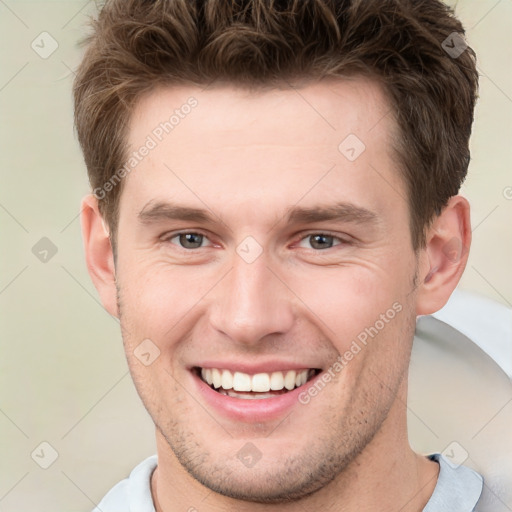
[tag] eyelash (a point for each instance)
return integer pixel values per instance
(171, 236)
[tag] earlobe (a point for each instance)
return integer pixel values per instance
(447, 248)
(98, 253)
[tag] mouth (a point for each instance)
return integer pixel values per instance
(255, 386)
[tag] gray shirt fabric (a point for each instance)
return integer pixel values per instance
(458, 489)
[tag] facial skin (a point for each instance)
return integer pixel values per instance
(247, 159)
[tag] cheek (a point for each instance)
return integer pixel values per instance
(355, 302)
(155, 297)
(351, 301)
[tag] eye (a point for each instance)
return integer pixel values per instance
(321, 241)
(188, 240)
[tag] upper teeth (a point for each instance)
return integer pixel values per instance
(260, 382)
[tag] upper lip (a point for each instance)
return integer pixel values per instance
(254, 368)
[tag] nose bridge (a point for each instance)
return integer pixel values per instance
(251, 303)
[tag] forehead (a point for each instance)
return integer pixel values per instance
(234, 144)
(330, 105)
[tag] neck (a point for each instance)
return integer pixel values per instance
(386, 476)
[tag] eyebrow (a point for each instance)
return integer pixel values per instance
(154, 212)
(345, 212)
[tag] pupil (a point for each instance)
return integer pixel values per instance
(321, 241)
(191, 240)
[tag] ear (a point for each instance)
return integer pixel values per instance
(445, 256)
(98, 253)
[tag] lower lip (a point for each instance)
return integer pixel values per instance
(251, 410)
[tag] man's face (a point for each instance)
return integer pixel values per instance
(267, 281)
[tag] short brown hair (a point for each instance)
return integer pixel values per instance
(137, 45)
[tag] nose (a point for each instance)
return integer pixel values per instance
(251, 303)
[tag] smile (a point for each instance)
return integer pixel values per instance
(257, 386)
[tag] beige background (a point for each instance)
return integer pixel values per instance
(63, 376)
